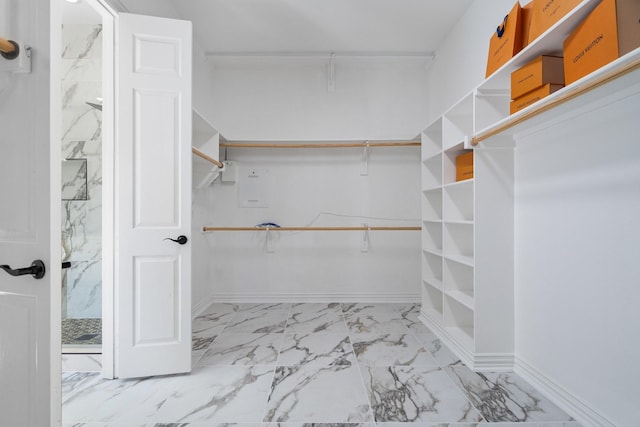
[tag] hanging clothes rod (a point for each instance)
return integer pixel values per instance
(200, 154)
(9, 49)
(323, 145)
(207, 229)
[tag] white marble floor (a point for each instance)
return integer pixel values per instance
(267, 365)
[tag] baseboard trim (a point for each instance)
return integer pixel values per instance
(579, 409)
(320, 297)
(475, 361)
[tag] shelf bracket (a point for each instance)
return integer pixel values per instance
(331, 83)
(364, 163)
(268, 241)
(365, 240)
(18, 62)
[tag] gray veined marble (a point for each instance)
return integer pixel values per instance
(318, 424)
(390, 350)
(307, 318)
(258, 321)
(317, 349)
(503, 397)
(243, 349)
(442, 355)
(416, 394)
(317, 394)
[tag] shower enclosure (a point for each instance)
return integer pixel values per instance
(81, 74)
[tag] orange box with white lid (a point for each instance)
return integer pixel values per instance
(541, 71)
(533, 97)
(610, 31)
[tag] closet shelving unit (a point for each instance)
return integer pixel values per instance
(205, 147)
(468, 226)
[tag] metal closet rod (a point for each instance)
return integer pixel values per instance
(200, 154)
(322, 144)
(207, 229)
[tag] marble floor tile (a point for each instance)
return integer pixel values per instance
(432, 343)
(317, 394)
(317, 349)
(318, 424)
(373, 318)
(243, 348)
(504, 397)
(258, 321)
(76, 382)
(202, 328)
(306, 318)
(263, 307)
(390, 350)
(416, 394)
(218, 394)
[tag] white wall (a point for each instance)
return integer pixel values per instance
(287, 99)
(578, 200)
(577, 270)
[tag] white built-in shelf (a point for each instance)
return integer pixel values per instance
(461, 259)
(612, 82)
(437, 252)
(548, 43)
(432, 221)
(433, 282)
(463, 297)
(473, 219)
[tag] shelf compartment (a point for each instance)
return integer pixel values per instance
(458, 321)
(458, 282)
(490, 107)
(457, 123)
(433, 282)
(449, 166)
(431, 266)
(432, 237)
(432, 139)
(458, 201)
(432, 205)
(432, 172)
(458, 241)
(432, 303)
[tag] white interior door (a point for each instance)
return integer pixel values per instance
(153, 197)
(29, 209)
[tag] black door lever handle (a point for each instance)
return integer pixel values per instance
(181, 240)
(37, 270)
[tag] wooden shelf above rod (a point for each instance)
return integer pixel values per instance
(321, 144)
(207, 229)
(200, 154)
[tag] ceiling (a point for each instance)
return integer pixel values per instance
(321, 26)
(263, 27)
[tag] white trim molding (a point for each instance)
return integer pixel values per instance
(320, 297)
(582, 411)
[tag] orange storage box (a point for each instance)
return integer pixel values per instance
(506, 40)
(526, 11)
(464, 166)
(545, 13)
(533, 97)
(542, 70)
(610, 31)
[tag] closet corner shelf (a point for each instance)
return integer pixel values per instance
(459, 222)
(204, 156)
(432, 251)
(464, 298)
(432, 314)
(433, 282)
(605, 85)
(460, 259)
(459, 183)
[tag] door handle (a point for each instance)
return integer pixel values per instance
(37, 270)
(181, 240)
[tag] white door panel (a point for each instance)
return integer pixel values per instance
(29, 210)
(153, 285)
